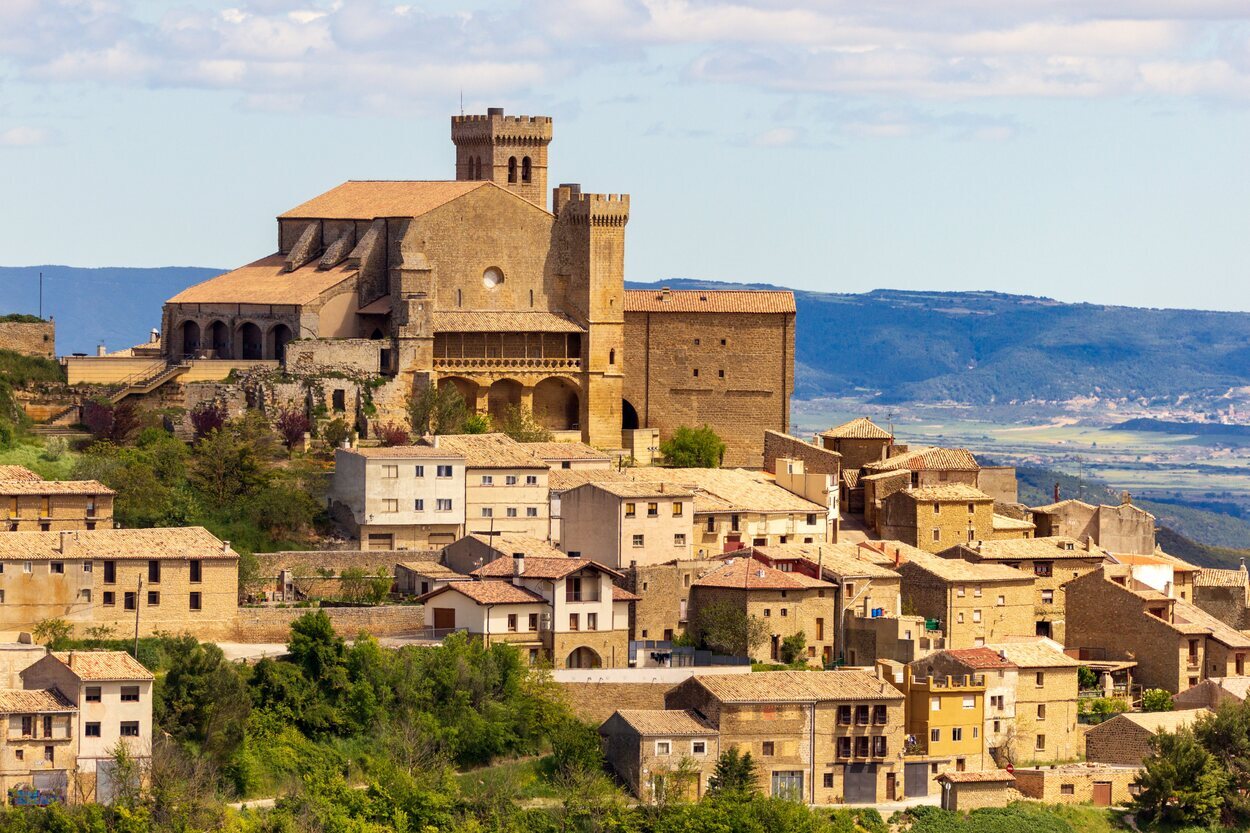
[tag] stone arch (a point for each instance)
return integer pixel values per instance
(512, 169)
(466, 388)
(190, 332)
(219, 339)
(526, 168)
(279, 338)
(629, 416)
(583, 657)
(503, 394)
(252, 341)
(557, 404)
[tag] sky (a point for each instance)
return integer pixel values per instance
(1086, 151)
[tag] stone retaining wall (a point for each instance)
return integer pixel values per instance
(273, 624)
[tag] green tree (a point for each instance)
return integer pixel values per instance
(518, 423)
(1086, 678)
(1181, 782)
(202, 699)
(734, 776)
(793, 648)
(437, 410)
(336, 432)
(693, 448)
(1156, 700)
(726, 628)
(1226, 735)
(226, 467)
(53, 633)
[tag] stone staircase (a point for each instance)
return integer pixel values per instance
(149, 379)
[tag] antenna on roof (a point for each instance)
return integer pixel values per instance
(462, 101)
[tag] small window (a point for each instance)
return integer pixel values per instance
(511, 512)
(1002, 600)
(972, 508)
(512, 622)
(418, 504)
(960, 592)
(130, 601)
(512, 169)
(1048, 597)
(678, 508)
(592, 621)
(488, 512)
(27, 567)
(976, 616)
(1040, 743)
(531, 480)
(1041, 711)
(92, 730)
(196, 601)
(130, 694)
(419, 471)
(84, 594)
(57, 567)
(110, 598)
(638, 540)
(49, 754)
(612, 356)
(526, 169)
(110, 572)
(488, 480)
(663, 747)
(630, 510)
(197, 570)
(1067, 789)
(1041, 678)
(510, 480)
(575, 622)
(937, 509)
(92, 694)
(937, 535)
(390, 472)
(338, 400)
(154, 598)
(679, 540)
(129, 729)
(390, 505)
(443, 471)
(767, 748)
(970, 702)
(533, 622)
(935, 735)
(696, 373)
(531, 511)
(957, 733)
(720, 373)
(935, 704)
(653, 510)
(154, 572)
(443, 504)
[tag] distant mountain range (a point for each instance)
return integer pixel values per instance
(976, 347)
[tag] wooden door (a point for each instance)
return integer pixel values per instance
(889, 787)
(444, 618)
(1102, 793)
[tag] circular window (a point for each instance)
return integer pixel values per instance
(492, 277)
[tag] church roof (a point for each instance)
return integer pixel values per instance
(502, 321)
(369, 199)
(709, 300)
(265, 282)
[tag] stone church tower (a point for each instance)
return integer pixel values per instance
(510, 151)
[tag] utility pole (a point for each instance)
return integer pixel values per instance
(138, 593)
(41, 294)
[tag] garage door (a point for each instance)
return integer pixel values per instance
(1102, 793)
(915, 779)
(444, 618)
(859, 784)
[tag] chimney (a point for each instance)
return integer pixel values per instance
(154, 336)
(225, 546)
(65, 538)
(1243, 565)
(100, 351)
(494, 111)
(1126, 499)
(518, 563)
(1056, 492)
(661, 488)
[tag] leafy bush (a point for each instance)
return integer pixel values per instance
(518, 423)
(112, 423)
(1156, 700)
(693, 448)
(54, 449)
(391, 434)
(336, 432)
(292, 425)
(207, 417)
(793, 648)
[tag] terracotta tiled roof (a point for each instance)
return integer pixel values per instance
(1006, 523)
(434, 570)
(541, 568)
(54, 487)
(177, 543)
(17, 473)
(637, 489)
(752, 574)
(492, 321)
(850, 477)
(979, 658)
(981, 776)
(368, 199)
(1184, 613)
(837, 559)
(1209, 577)
(265, 282)
(561, 480)
(568, 451)
(620, 594)
(930, 458)
(404, 452)
(709, 300)
(34, 701)
(958, 570)
(489, 593)
(797, 686)
(1034, 655)
(1157, 558)
(730, 490)
(490, 451)
(960, 492)
(1063, 504)
(1160, 721)
(860, 428)
(665, 722)
(513, 543)
(103, 665)
(1050, 548)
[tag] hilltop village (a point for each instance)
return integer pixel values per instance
(523, 453)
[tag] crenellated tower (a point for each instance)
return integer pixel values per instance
(510, 151)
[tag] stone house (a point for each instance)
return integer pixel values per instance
(112, 695)
(32, 504)
(39, 745)
(935, 518)
(1225, 594)
(1102, 785)
(819, 737)
(860, 442)
(874, 489)
(1000, 677)
(561, 481)
(1176, 645)
(571, 456)
(567, 610)
(789, 603)
(1052, 561)
(1046, 693)
(1213, 691)
(401, 497)
(945, 719)
(619, 523)
(931, 466)
(663, 606)
(1125, 739)
(416, 578)
(965, 791)
(506, 484)
(1159, 571)
(972, 603)
(477, 550)
(169, 580)
(661, 754)
(1124, 528)
(735, 508)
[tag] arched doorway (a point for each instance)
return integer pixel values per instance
(466, 389)
(279, 338)
(583, 657)
(219, 337)
(190, 338)
(629, 416)
(253, 341)
(504, 394)
(556, 404)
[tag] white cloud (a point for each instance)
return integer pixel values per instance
(345, 54)
(776, 137)
(24, 136)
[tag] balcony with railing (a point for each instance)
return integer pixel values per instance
(469, 352)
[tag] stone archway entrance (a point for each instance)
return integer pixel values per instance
(504, 394)
(190, 338)
(253, 341)
(279, 338)
(557, 405)
(583, 657)
(464, 387)
(219, 338)
(629, 416)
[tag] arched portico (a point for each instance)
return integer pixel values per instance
(629, 416)
(190, 332)
(219, 339)
(277, 340)
(251, 341)
(503, 394)
(557, 404)
(583, 657)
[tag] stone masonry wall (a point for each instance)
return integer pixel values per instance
(273, 624)
(1117, 741)
(1228, 604)
(595, 702)
(35, 339)
(816, 460)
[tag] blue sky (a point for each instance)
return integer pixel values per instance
(1087, 151)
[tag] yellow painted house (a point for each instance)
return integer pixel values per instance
(944, 718)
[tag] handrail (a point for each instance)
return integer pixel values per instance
(151, 370)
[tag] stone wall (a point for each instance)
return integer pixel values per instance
(999, 482)
(665, 592)
(816, 460)
(353, 356)
(271, 563)
(34, 339)
(595, 702)
(1228, 604)
(973, 795)
(273, 624)
(1074, 783)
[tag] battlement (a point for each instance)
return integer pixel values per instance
(496, 128)
(595, 209)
